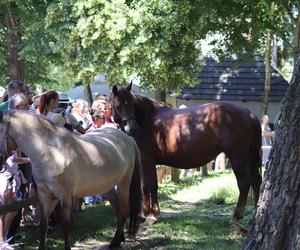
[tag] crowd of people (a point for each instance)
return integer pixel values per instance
(16, 181)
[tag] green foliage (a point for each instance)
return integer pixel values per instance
(96, 222)
(154, 41)
(224, 195)
(30, 38)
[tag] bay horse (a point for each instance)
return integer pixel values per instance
(66, 165)
(190, 138)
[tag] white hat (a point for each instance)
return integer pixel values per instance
(63, 98)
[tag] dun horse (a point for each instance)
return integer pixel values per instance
(65, 166)
(189, 138)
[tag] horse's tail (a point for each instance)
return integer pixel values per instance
(255, 160)
(135, 194)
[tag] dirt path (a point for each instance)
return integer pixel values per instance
(187, 221)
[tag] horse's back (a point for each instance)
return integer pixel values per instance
(111, 153)
(194, 136)
(219, 116)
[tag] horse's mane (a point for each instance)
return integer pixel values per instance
(146, 107)
(36, 118)
(148, 101)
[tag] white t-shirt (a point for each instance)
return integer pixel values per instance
(84, 122)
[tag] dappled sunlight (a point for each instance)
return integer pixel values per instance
(200, 192)
(91, 244)
(181, 224)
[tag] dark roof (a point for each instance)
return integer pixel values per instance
(231, 81)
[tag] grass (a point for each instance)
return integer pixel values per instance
(194, 215)
(94, 222)
(198, 216)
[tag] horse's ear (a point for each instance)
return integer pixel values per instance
(1, 116)
(129, 86)
(115, 90)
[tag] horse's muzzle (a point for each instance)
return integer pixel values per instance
(131, 128)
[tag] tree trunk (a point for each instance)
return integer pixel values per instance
(276, 223)
(160, 95)
(297, 34)
(87, 93)
(175, 173)
(204, 172)
(274, 60)
(268, 72)
(15, 65)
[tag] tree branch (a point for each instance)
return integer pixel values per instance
(12, 21)
(285, 7)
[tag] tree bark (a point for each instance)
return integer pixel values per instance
(87, 93)
(276, 223)
(268, 72)
(268, 67)
(175, 173)
(160, 95)
(204, 172)
(297, 34)
(15, 65)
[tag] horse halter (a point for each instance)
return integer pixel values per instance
(5, 146)
(119, 116)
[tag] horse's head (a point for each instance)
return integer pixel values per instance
(123, 109)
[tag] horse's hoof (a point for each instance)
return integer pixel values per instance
(142, 218)
(155, 210)
(115, 243)
(150, 220)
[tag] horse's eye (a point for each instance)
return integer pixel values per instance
(119, 110)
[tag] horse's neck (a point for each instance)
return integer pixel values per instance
(29, 132)
(147, 108)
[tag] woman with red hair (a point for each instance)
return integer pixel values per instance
(48, 103)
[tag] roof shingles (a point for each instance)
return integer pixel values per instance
(225, 81)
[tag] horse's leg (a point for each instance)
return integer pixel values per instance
(119, 234)
(150, 186)
(112, 197)
(153, 187)
(66, 207)
(47, 206)
(244, 181)
(146, 202)
(123, 211)
(146, 164)
(155, 210)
